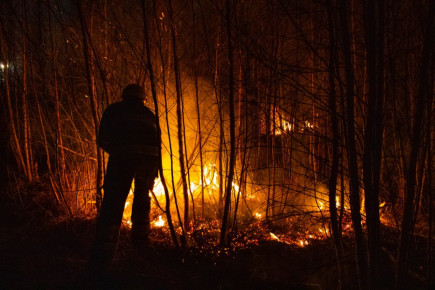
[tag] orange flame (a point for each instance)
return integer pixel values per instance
(160, 222)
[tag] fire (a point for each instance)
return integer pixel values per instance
(303, 243)
(281, 125)
(324, 231)
(158, 189)
(320, 205)
(210, 176)
(308, 125)
(158, 192)
(160, 222)
(274, 237)
(210, 183)
(211, 180)
(284, 126)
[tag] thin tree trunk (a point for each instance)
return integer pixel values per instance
(188, 166)
(165, 80)
(335, 227)
(430, 138)
(156, 109)
(179, 117)
(26, 122)
(60, 154)
(352, 152)
(430, 276)
(218, 96)
(374, 26)
(232, 127)
(198, 112)
(93, 103)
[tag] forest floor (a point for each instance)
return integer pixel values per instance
(41, 251)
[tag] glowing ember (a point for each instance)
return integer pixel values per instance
(308, 125)
(274, 237)
(257, 215)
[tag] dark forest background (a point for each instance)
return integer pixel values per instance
(293, 114)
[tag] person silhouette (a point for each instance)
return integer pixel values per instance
(129, 133)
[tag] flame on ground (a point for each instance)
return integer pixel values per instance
(210, 184)
(274, 237)
(160, 222)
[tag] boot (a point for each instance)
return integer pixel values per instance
(103, 248)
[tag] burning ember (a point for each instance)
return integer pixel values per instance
(274, 237)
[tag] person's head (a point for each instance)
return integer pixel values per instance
(133, 92)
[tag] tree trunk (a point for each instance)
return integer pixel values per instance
(179, 117)
(156, 109)
(374, 29)
(165, 85)
(60, 154)
(430, 274)
(229, 183)
(198, 112)
(93, 102)
(24, 106)
(352, 152)
(336, 229)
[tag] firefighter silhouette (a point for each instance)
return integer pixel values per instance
(129, 133)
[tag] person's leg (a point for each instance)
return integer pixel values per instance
(117, 183)
(144, 182)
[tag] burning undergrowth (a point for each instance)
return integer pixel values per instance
(300, 220)
(297, 232)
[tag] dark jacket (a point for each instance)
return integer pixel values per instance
(129, 127)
